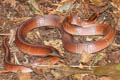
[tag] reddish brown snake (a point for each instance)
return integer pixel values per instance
(87, 28)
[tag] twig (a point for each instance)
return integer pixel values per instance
(4, 34)
(12, 36)
(3, 71)
(116, 45)
(16, 59)
(57, 66)
(44, 75)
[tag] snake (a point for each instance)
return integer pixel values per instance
(68, 26)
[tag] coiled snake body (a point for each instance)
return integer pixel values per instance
(68, 27)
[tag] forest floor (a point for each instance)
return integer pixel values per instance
(14, 12)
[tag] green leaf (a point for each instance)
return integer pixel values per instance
(118, 67)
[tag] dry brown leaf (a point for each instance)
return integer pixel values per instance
(85, 57)
(3, 71)
(11, 2)
(99, 57)
(90, 38)
(78, 76)
(98, 2)
(67, 71)
(63, 1)
(116, 4)
(24, 76)
(106, 78)
(65, 7)
(59, 73)
(55, 43)
(35, 6)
